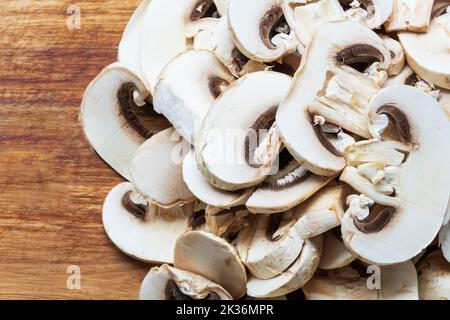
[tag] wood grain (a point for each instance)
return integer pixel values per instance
(52, 184)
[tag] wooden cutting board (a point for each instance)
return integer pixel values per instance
(52, 185)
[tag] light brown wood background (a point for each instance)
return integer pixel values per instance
(52, 185)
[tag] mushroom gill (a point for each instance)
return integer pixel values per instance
(204, 9)
(273, 23)
(359, 56)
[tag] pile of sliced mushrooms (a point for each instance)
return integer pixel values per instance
(275, 146)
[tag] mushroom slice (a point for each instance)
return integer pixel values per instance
(169, 29)
(260, 30)
(398, 282)
(371, 13)
(293, 278)
(156, 170)
(167, 283)
(130, 44)
(115, 112)
(444, 235)
(397, 54)
(287, 188)
(140, 230)
(212, 257)
(410, 15)
(396, 217)
(239, 141)
(335, 255)
(186, 106)
(434, 277)
(432, 66)
(325, 87)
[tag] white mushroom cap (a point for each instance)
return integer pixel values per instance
(293, 278)
(151, 237)
(409, 219)
(212, 257)
(223, 150)
(427, 54)
(412, 15)
(105, 125)
(167, 283)
(185, 106)
(434, 277)
(335, 255)
(156, 170)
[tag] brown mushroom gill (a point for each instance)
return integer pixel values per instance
(217, 85)
(257, 133)
(400, 120)
(273, 21)
(204, 9)
(173, 292)
(143, 119)
(379, 217)
(239, 59)
(136, 209)
(198, 219)
(440, 10)
(272, 226)
(359, 56)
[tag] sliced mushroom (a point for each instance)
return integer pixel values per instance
(260, 30)
(167, 283)
(410, 15)
(371, 13)
(403, 206)
(212, 257)
(227, 222)
(326, 86)
(169, 29)
(398, 282)
(444, 235)
(186, 106)
(239, 141)
(287, 188)
(117, 116)
(431, 65)
(156, 170)
(434, 277)
(140, 230)
(335, 255)
(397, 54)
(293, 278)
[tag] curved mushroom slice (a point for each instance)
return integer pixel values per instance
(207, 193)
(239, 141)
(432, 66)
(398, 282)
(130, 45)
(410, 15)
(293, 278)
(335, 255)
(212, 257)
(289, 187)
(260, 30)
(371, 13)
(156, 170)
(397, 54)
(186, 106)
(434, 277)
(405, 216)
(140, 230)
(169, 29)
(111, 116)
(327, 87)
(167, 283)
(227, 222)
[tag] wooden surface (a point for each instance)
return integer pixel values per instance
(52, 184)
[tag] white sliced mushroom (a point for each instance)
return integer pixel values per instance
(260, 30)
(239, 141)
(325, 86)
(140, 230)
(371, 13)
(293, 278)
(431, 65)
(434, 277)
(169, 29)
(185, 106)
(444, 235)
(213, 258)
(227, 222)
(410, 15)
(116, 117)
(403, 206)
(335, 255)
(398, 282)
(167, 283)
(397, 54)
(156, 170)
